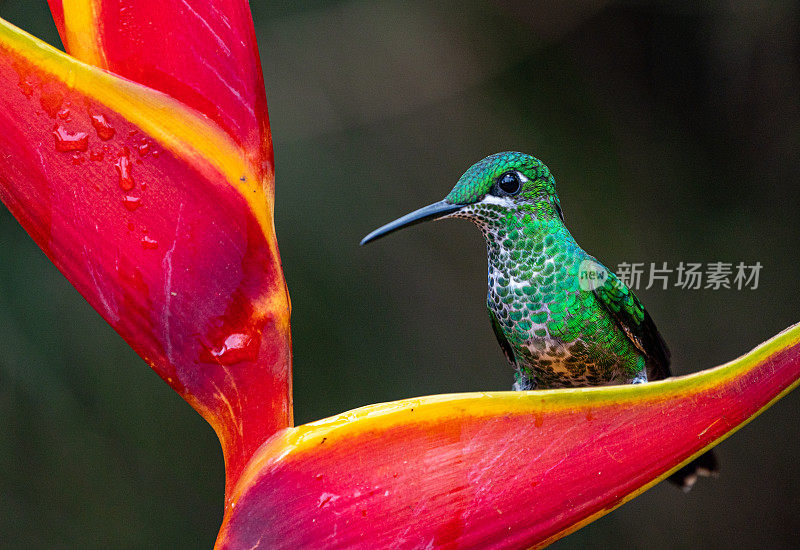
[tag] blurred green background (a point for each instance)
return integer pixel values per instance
(673, 130)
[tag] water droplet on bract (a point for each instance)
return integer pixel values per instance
(148, 243)
(26, 86)
(156, 152)
(66, 141)
(144, 149)
(51, 101)
(123, 166)
(236, 348)
(97, 154)
(325, 499)
(77, 158)
(63, 114)
(104, 130)
(131, 203)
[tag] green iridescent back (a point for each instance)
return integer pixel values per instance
(555, 331)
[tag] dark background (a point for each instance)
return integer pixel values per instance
(673, 131)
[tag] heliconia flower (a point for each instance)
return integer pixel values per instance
(492, 470)
(142, 165)
(155, 197)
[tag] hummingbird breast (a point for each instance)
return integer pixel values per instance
(560, 335)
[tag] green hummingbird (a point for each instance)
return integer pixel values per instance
(560, 316)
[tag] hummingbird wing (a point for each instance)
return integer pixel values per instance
(501, 339)
(631, 316)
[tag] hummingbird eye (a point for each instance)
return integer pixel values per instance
(510, 183)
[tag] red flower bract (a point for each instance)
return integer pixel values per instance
(163, 222)
(492, 470)
(203, 54)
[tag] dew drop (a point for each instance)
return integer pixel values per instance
(77, 158)
(123, 166)
(51, 102)
(144, 149)
(325, 499)
(104, 130)
(26, 86)
(148, 243)
(132, 203)
(237, 347)
(97, 154)
(318, 477)
(63, 114)
(66, 141)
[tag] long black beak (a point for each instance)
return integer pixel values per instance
(430, 212)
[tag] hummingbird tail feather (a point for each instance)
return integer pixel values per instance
(705, 465)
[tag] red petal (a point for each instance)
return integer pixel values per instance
(202, 53)
(57, 9)
(162, 223)
(494, 470)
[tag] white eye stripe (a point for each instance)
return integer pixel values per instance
(499, 201)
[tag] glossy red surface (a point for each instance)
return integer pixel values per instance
(497, 470)
(201, 53)
(168, 251)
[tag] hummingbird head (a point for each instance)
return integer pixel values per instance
(500, 184)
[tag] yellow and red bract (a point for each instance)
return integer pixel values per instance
(493, 470)
(142, 165)
(203, 54)
(163, 222)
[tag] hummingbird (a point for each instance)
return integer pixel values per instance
(561, 317)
